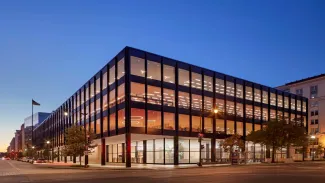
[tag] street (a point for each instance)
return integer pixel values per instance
(20, 172)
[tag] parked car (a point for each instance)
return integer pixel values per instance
(29, 160)
(24, 159)
(39, 160)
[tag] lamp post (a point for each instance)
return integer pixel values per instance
(48, 150)
(313, 152)
(86, 139)
(200, 136)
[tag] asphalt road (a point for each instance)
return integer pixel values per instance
(13, 171)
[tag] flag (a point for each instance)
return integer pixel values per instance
(35, 103)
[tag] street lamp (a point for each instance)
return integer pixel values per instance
(65, 113)
(313, 152)
(200, 135)
(48, 150)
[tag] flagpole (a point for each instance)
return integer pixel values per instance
(32, 123)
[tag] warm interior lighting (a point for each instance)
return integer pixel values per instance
(215, 111)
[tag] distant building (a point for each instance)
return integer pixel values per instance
(12, 145)
(22, 136)
(18, 141)
(29, 125)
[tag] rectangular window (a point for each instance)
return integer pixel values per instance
(313, 91)
(154, 119)
(257, 113)
(196, 81)
(169, 97)
(154, 70)
(104, 80)
(286, 102)
(230, 127)
(98, 106)
(121, 94)
(137, 92)
(183, 77)
(87, 94)
(249, 93)
(137, 66)
(220, 126)
(257, 127)
(184, 122)
(240, 128)
(92, 90)
(230, 90)
(97, 85)
(257, 95)
(105, 124)
(299, 92)
(105, 106)
(249, 111)
(304, 107)
(112, 122)
(92, 108)
(196, 102)
(239, 91)
(196, 123)
(239, 110)
(280, 115)
(208, 83)
(316, 121)
(154, 95)
(220, 86)
(183, 100)
(120, 68)
(111, 75)
(98, 126)
(137, 117)
(249, 128)
(293, 104)
(169, 121)
(121, 118)
(112, 98)
(280, 101)
(208, 125)
(265, 114)
(208, 103)
(273, 99)
(265, 97)
(272, 114)
(169, 74)
(298, 105)
(230, 108)
(286, 117)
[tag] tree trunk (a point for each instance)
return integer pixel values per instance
(288, 151)
(273, 154)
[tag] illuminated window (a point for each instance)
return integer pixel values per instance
(183, 100)
(87, 94)
(272, 114)
(280, 115)
(257, 127)
(196, 123)
(230, 88)
(196, 102)
(249, 128)
(230, 127)
(293, 104)
(208, 103)
(208, 83)
(121, 118)
(104, 80)
(184, 122)
(220, 106)
(257, 113)
(112, 122)
(208, 125)
(112, 98)
(298, 105)
(154, 119)
(292, 118)
(92, 90)
(111, 75)
(249, 111)
(220, 86)
(239, 91)
(154, 70)
(121, 94)
(230, 108)
(137, 66)
(137, 117)
(82, 97)
(220, 126)
(280, 101)
(120, 68)
(92, 108)
(286, 102)
(137, 92)
(265, 97)
(98, 126)
(304, 108)
(97, 85)
(286, 117)
(169, 97)
(196, 81)
(154, 95)
(273, 99)
(183, 77)
(169, 121)
(257, 95)
(98, 106)
(105, 124)
(239, 110)
(249, 93)
(169, 74)
(240, 128)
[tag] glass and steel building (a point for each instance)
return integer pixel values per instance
(147, 108)
(29, 125)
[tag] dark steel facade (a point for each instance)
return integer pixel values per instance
(95, 113)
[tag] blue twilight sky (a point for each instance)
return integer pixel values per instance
(48, 49)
